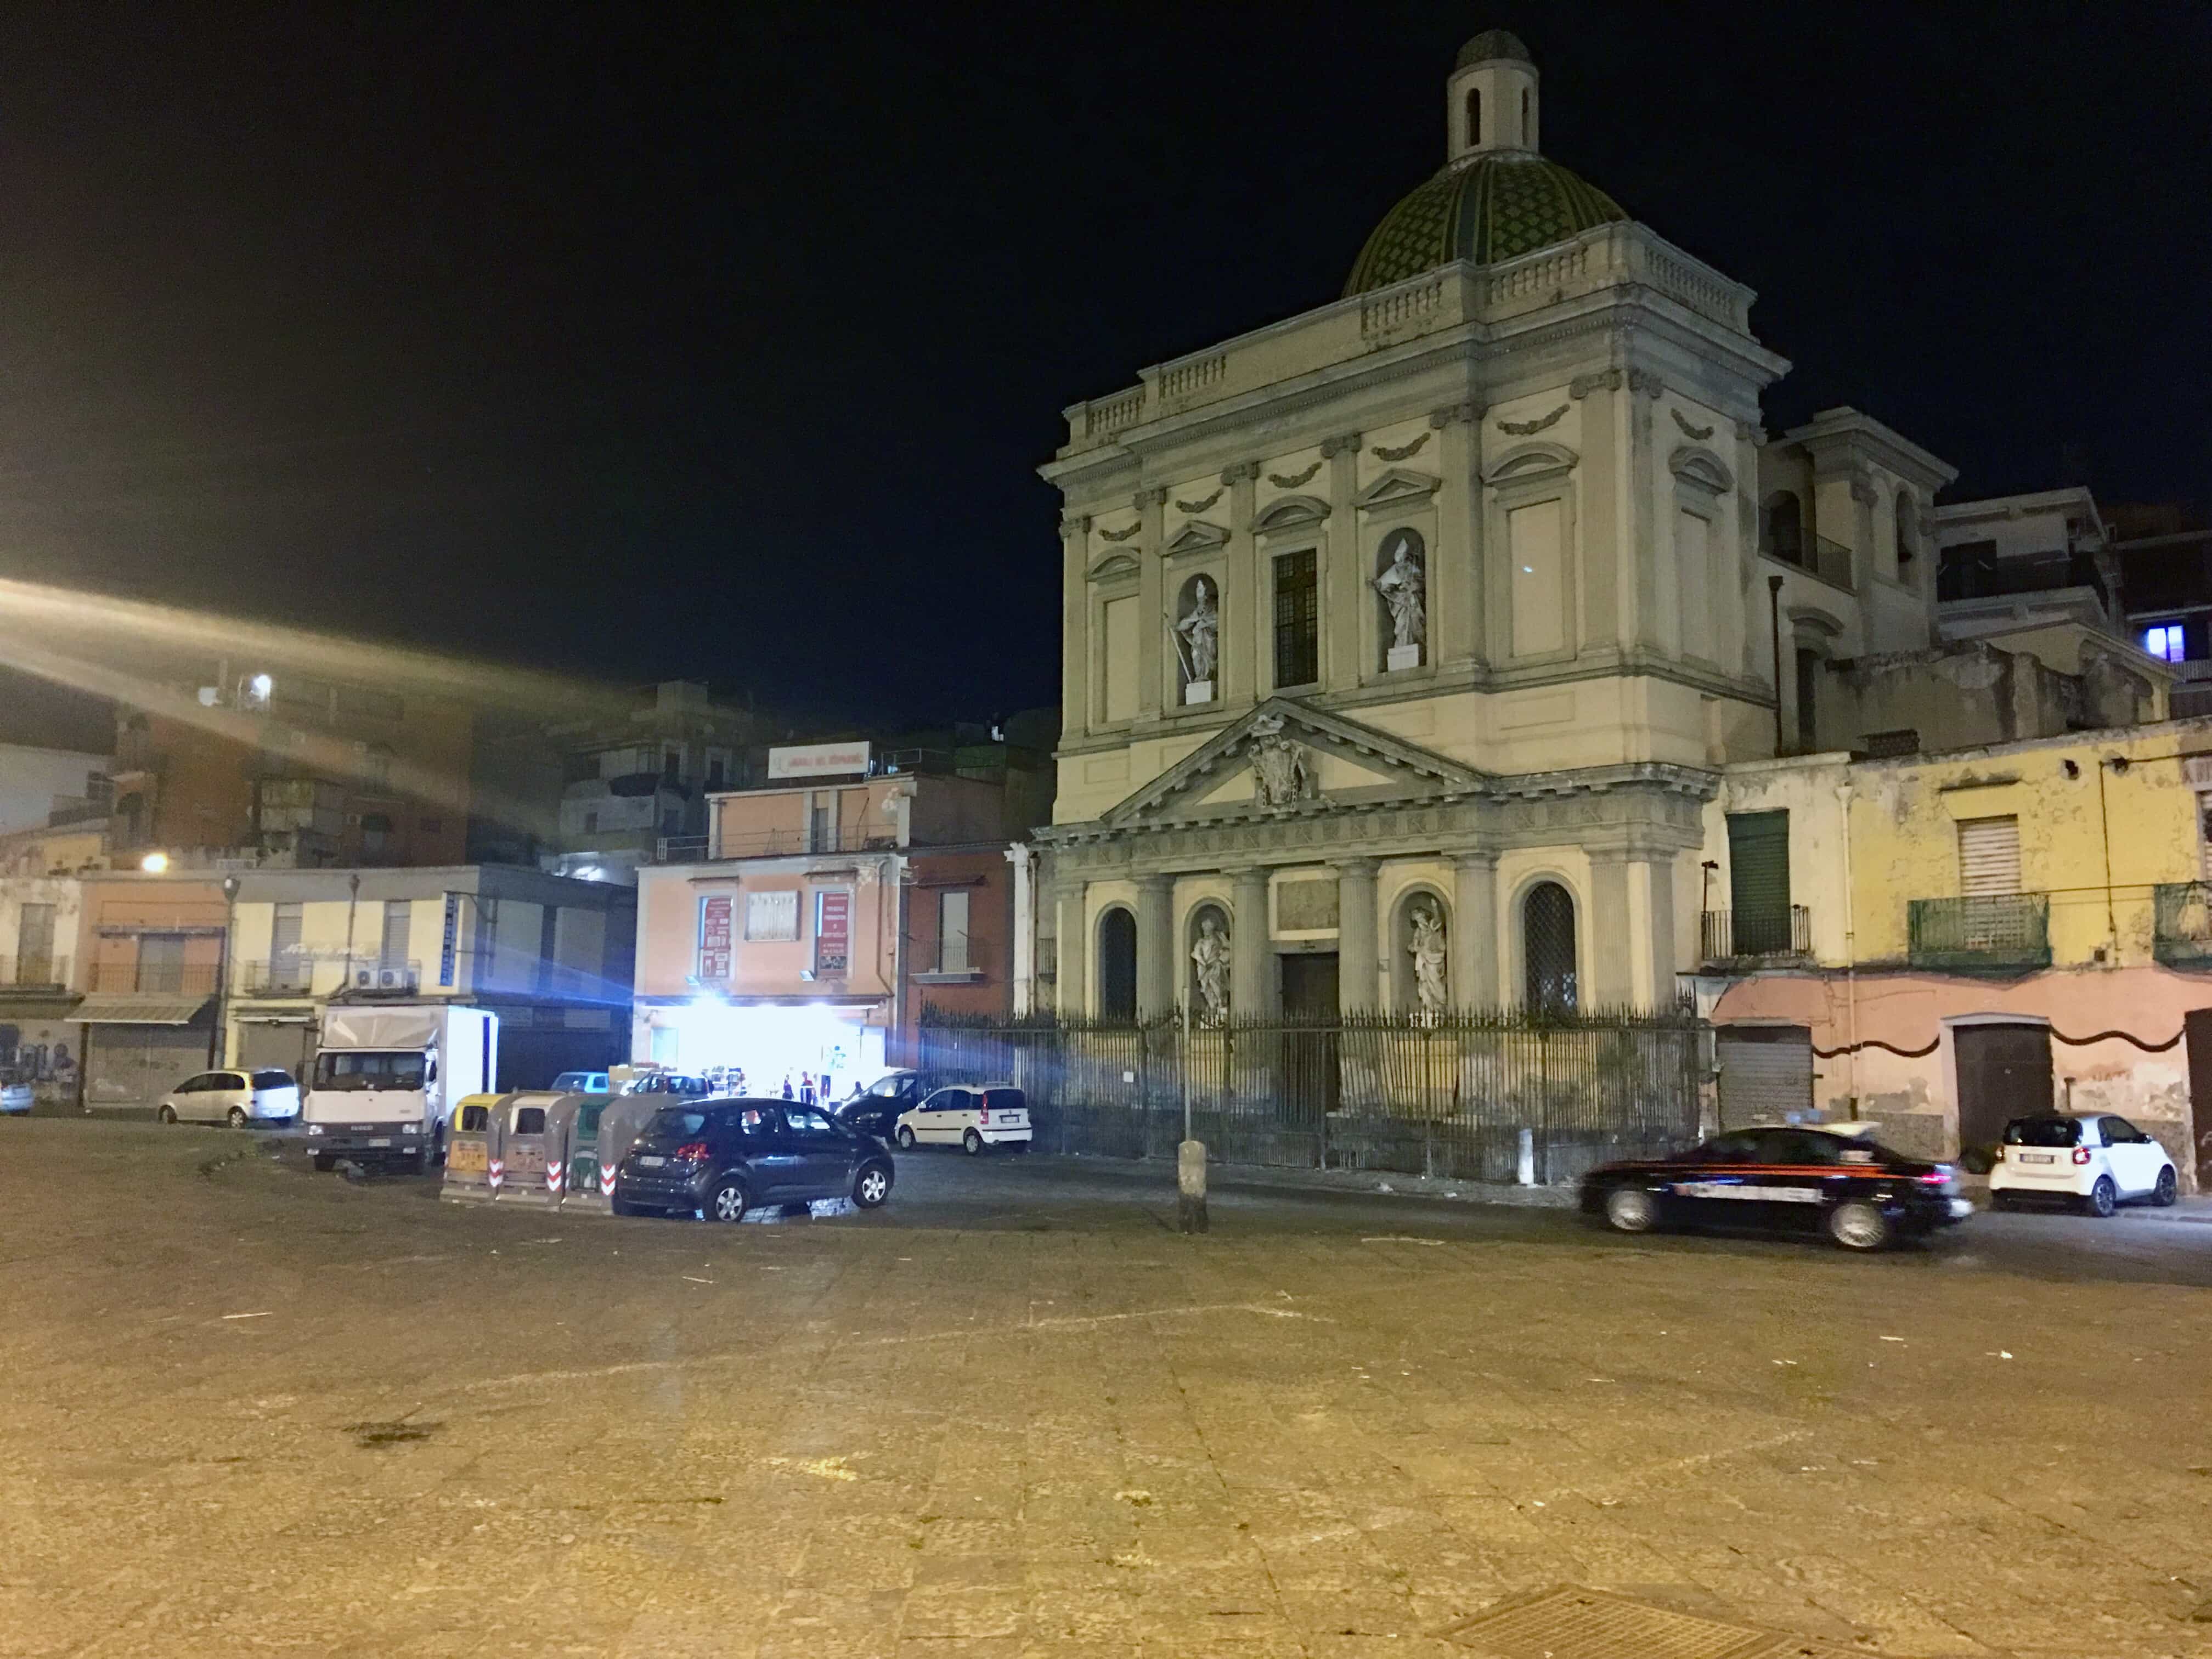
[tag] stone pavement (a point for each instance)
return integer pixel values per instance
(250, 1409)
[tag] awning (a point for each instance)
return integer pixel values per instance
(39, 1008)
(125, 1010)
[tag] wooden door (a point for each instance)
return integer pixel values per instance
(2004, 1072)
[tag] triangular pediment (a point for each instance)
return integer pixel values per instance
(1337, 760)
(1398, 487)
(1197, 536)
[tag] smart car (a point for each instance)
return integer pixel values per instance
(970, 1116)
(723, 1158)
(2094, 1161)
(1794, 1178)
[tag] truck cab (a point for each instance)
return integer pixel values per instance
(386, 1077)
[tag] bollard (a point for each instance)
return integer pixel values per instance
(1190, 1186)
(1526, 1174)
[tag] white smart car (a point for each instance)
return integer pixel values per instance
(237, 1098)
(970, 1116)
(2094, 1160)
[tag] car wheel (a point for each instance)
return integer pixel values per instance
(622, 1207)
(872, 1185)
(1858, 1226)
(166, 1114)
(2168, 1187)
(905, 1138)
(2001, 1200)
(972, 1144)
(326, 1162)
(729, 1200)
(2104, 1197)
(1630, 1210)
(237, 1119)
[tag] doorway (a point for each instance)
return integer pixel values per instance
(2004, 1072)
(2197, 1028)
(1117, 965)
(1311, 1084)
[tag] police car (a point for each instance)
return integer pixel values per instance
(970, 1116)
(1789, 1178)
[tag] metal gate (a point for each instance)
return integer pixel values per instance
(135, 1065)
(1766, 1073)
(286, 1046)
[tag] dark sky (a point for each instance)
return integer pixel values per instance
(727, 348)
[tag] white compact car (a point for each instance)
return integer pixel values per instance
(234, 1097)
(15, 1093)
(970, 1116)
(2094, 1160)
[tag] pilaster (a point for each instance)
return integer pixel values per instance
(1604, 951)
(1359, 988)
(1252, 992)
(1152, 606)
(1074, 624)
(1155, 952)
(1454, 573)
(1241, 636)
(1473, 937)
(1654, 599)
(1071, 918)
(1343, 584)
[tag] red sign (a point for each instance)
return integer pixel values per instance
(714, 937)
(833, 931)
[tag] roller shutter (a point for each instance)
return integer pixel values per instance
(1766, 1073)
(1759, 883)
(1988, 856)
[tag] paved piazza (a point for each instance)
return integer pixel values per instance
(252, 1410)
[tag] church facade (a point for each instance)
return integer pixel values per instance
(1404, 640)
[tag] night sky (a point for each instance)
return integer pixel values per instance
(726, 349)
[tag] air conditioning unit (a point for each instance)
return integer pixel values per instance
(364, 979)
(395, 979)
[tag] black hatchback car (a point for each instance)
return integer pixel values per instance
(1795, 1179)
(722, 1158)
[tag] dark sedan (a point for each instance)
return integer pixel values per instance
(723, 1158)
(876, 1110)
(1801, 1179)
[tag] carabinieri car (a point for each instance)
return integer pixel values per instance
(1790, 1179)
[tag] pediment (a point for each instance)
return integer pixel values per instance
(1694, 464)
(1398, 487)
(1291, 513)
(1112, 566)
(1344, 760)
(1529, 461)
(1197, 536)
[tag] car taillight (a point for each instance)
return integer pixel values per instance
(2080, 1154)
(1934, 1178)
(983, 1116)
(692, 1152)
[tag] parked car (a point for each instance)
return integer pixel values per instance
(581, 1083)
(970, 1116)
(1797, 1178)
(721, 1159)
(15, 1093)
(2094, 1161)
(668, 1083)
(877, 1108)
(234, 1097)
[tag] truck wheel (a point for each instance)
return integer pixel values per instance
(326, 1162)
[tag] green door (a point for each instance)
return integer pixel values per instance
(1758, 884)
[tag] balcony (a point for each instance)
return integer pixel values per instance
(34, 973)
(1987, 933)
(281, 978)
(1734, 939)
(1830, 561)
(155, 978)
(2182, 936)
(773, 844)
(370, 977)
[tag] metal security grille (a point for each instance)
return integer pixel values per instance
(1298, 620)
(1766, 1073)
(1547, 936)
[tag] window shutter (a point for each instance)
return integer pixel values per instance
(1759, 881)
(284, 932)
(1988, 856)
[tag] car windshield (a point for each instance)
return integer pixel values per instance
(2043, 1132)
(272, 1079)
(672, 1122)
(357, 1070)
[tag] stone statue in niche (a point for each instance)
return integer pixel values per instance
(1427, 950)
(1198, 637)
(1210, 957)
(1404, 588)
(1281, 774)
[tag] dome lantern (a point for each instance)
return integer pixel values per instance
(1490, 101)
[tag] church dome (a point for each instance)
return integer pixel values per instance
(1493, 43)
(1497, 205)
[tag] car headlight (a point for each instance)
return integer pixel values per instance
(314, 1128)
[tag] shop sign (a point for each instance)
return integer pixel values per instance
(819, 760)
(714, 937)
(832, 931)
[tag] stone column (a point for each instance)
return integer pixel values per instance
(1342, 579)
(1072, 978)
(1241, 636)
(1152, 607)
(1454, 573)
(1473, 939)
(1605, 943)
(1074, 625)
(1658, 868)
(1252, 991)
(1157, 956)
(1357, 989)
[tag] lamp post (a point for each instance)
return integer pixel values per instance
(218, 1044)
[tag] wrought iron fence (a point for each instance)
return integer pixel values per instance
(1457, 1095)
(1986, 933)
(1738, 935)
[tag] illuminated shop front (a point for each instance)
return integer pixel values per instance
(768, 1038)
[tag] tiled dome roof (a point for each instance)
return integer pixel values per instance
(1498, 206)
(1493, 43)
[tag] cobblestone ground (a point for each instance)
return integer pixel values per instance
(252, 1410)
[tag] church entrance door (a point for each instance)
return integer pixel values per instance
(1309, 1044)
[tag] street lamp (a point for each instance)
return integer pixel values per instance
(153, 863)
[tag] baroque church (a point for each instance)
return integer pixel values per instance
(1403, 639)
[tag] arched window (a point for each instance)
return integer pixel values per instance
(1908, 533)
(1528, 138)
(1117, 964)
(1782, 528)
(1474, 117)
(1547, 946)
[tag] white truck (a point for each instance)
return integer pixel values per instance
(386, 1077)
